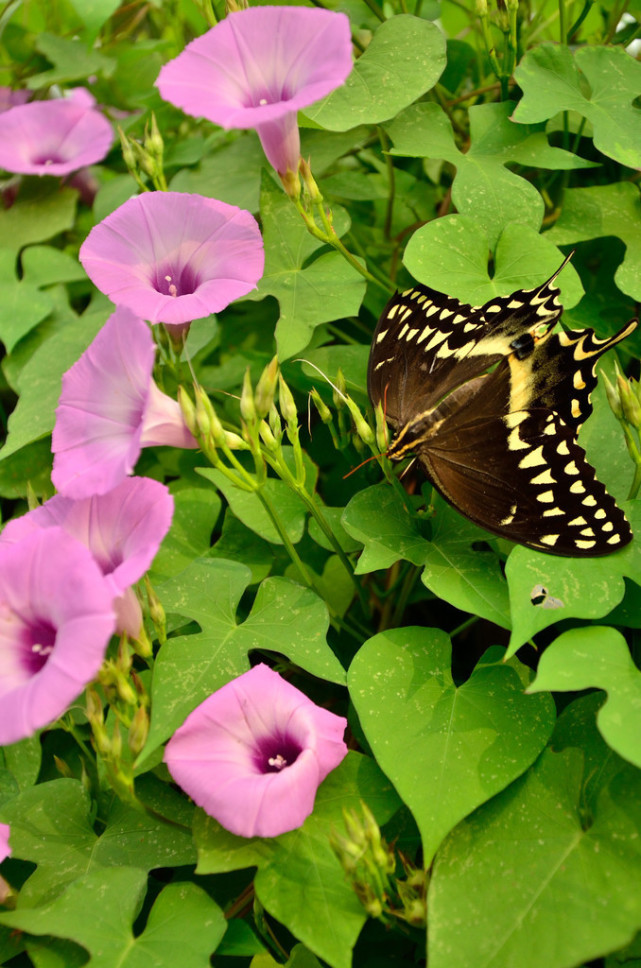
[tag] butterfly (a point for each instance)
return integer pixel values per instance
(501, 447)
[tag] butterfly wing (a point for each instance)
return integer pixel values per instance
(560, 373)
(522, 475)
(427, 343)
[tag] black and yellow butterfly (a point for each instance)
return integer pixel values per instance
(501, 447)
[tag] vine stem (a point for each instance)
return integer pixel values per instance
(307, 576)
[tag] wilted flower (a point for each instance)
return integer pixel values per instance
(52, 137)
(122, 529)
(110, 408)
(254, 753)
(5, 849)
(56, 619)
(172, 257)
(257, 68)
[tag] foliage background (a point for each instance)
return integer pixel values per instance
(470, 150)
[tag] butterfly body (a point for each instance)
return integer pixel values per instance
(501, 446)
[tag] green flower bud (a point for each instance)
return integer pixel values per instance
(323, 410)
(363, 429)
(286, 402)
(247, 405)
(138, 731)
(614, 399)
(340, 390)
(266, 388)
(188, 410)
(629, 402)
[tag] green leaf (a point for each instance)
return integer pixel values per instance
(599, 82)
(98, 910)
(42, 265)
(484, 189)
(72, 60)
(300, 881)
(51, 826)
(42, 210)
(603, 210)
(249, 508)
(467, 743)
(536, 877)
(40, 381)
(586, 588)
(286, 618)
(451, 254)
(30, 465)
(468, 579)
(196, 510)
(598, 658)
(231, 172)
(309, 293)
(238, 543)
(405, 59)
(379, 519)
(21, 309)
(23, 760)
(94, 13)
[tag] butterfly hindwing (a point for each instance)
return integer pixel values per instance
(524, 477)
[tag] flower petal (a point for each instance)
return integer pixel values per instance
(226, 754)
(57, 618)
(173, 257)
(258, 64)
(52, 137)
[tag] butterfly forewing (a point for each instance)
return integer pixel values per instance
(427, 343)
(501, 447)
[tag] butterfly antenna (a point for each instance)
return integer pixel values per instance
(324, 376)
(362, 464)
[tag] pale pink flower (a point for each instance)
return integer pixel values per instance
(110, 408)
(56, 619)
(255, 752)
(53, 137)
(122, 529)
(5, 849)
(257, 68)
(172, 257)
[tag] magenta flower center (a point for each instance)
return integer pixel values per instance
(171, 280)
(274, 753)
(38, 641)
(49, 158)
(262, 96)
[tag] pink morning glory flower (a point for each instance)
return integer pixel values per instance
(52, 137)
(110, 408)
(254, 753)
(122, 529)
(56, 619)
(257, 68)
(172, 257)
(5, 849)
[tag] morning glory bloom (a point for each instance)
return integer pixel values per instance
(110, 408)
(172, 257)
(5, 849)
(122, 529)
(56, 619)
(257, 68)
(53, 137)
(254, 753)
